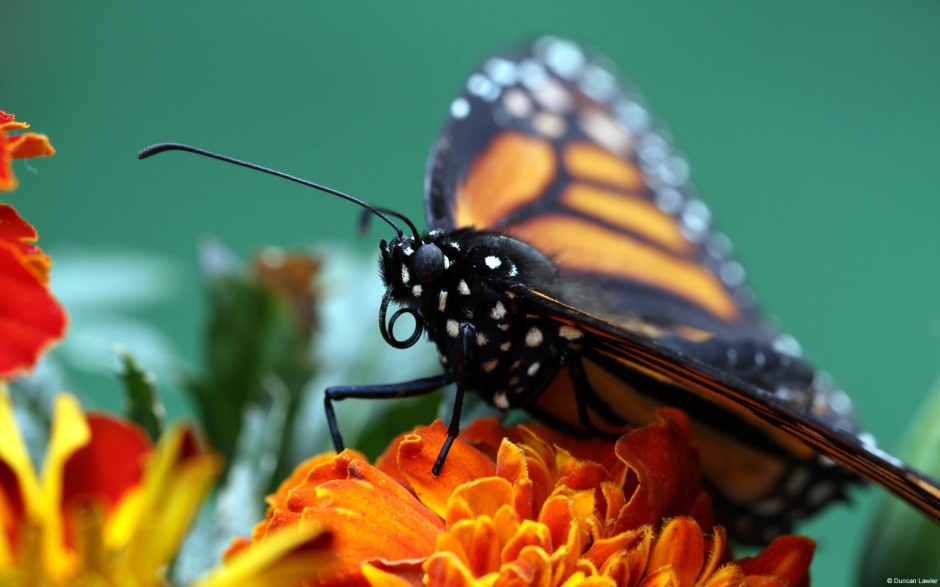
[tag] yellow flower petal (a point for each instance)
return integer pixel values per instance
(285, 559)
(178, 476)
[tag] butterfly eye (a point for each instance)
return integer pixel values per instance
(428, 264)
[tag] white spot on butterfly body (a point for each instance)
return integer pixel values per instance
(533, 337)
(453, 329)
(416, 291)
(463, 288)
(498, 312)
(442, 300)
(405, 276)
(408, 251)
(460, 108)
(492, 262)
(500, 400)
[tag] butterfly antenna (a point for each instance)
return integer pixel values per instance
(364, 221)
(381, 213)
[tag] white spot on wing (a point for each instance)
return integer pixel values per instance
(517, 103)
(492, 262)
(533, 369)
(563, 57)
(481, 339)
(498, 312)
(490, 365)
(442, 300)
(460, 108)
(501, 71)
(569, 333)
(505, 346)
(453, 329)
(482, 86)
(462, 288)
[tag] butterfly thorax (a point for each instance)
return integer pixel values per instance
(460, 284)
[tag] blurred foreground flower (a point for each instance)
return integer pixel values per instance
(18, 146)
(522, 506)
(30, 318)
(110, 509)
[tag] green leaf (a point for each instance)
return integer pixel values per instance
(903, 544)
(253, 344)
(144, 406)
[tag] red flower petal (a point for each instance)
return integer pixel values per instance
(109, 465)
(28, 145)
(667, 471)
(30, 318)
(787, 557)
(7, 180)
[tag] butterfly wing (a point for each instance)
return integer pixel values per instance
(546, 145)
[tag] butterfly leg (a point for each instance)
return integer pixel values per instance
(414, 388)
(460, 358)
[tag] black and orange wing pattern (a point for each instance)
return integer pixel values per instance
(547, 145)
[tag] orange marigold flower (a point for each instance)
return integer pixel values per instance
(31, 319)
(523, 506)
(17, 146)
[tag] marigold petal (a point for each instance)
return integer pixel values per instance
(287, 559)
(531, 567)
(445, 569)
(481, 497)
(682, 546)
(726, 576)
(30, 318)
(30, 144)
(667, 472)
(417, 454)
(529, 534)
(484, 434)
(475, 542)
(8, 181)
(8, 122)
(109, 465)
(177, 477)
(717, 554)
(20, 494)
(603, 552)
(371, 516)
(664, 577)
(381, 578)
(787, 557)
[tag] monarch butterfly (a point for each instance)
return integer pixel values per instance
(571, 271)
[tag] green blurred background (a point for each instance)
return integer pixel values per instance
(813, 131)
